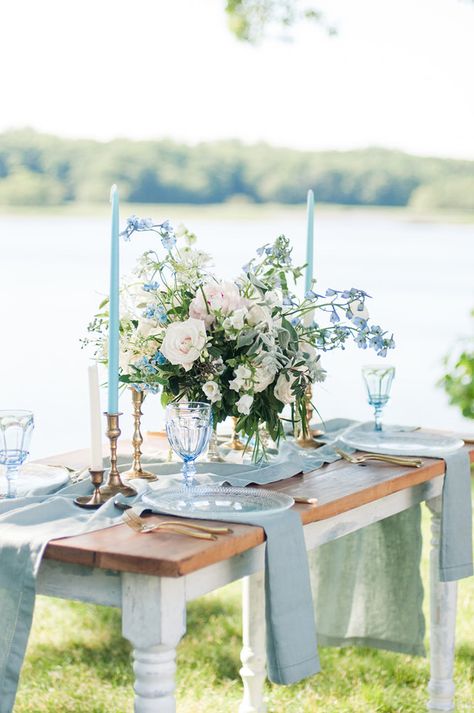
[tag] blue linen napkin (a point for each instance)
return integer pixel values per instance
(26, 526)
(455, 552)
(292, 652)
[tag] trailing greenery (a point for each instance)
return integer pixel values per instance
(38, 169)
(77, 661)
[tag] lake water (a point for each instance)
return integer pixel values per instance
(54, 271)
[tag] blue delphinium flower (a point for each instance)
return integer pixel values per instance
(165, 230)
(151, 286)
(168, 237)
(157, 312)
(159, 358)
(168, 241)
(334, 317)
(361, 341)
(160, 314)
(260, 251)
(149, 312)
(144, 364)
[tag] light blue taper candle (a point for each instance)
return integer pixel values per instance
(114, 305)
(309, 240)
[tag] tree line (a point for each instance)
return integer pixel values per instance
(39, 169)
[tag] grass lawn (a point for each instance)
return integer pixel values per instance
(77, 662)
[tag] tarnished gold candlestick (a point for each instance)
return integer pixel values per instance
(114, 483)
(94, 501)
(136, 471)
(305, 437)
(235, 444)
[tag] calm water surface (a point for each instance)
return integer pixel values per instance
(54, 271)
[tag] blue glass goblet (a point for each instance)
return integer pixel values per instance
(16, 428)
(188, 427)
(378, 380)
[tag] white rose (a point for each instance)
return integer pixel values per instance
(184, 342)
(283, 390)
(215, 297)
(359, 309)
(244, 404)
(212, 391)
(259, 314)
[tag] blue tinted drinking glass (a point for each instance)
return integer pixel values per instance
(16, 427)
(188, 427)
(378, 380)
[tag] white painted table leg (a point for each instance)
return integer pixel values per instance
(443, 600)
(253, 655)
(153, 620)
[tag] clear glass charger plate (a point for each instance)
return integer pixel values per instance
(394, 441)
(217, 503)
(36, 476)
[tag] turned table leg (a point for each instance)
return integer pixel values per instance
(253, 651)
(443, 599)
(153, 620)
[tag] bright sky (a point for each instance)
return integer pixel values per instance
(399, 74)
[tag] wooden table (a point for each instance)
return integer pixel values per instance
(152, 578)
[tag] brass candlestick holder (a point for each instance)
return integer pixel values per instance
(114, 483)
(235, 444)
(94, 501)
(305, 437)
(136, 471)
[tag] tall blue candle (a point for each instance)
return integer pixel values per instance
(114, 305)
(309, 240)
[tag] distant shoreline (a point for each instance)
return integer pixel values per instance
(235, 210)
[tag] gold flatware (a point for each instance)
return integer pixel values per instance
(64, 467)
(131, 518)
(305, 501)
(395, 460)
(220, 530)
(166, 526)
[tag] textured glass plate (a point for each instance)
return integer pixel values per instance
(32, 476)
(219, 503)
(395, 442)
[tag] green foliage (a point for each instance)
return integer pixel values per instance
(36, 169)
(458, 382)
(252, 20)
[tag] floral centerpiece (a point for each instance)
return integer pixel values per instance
(250, 347)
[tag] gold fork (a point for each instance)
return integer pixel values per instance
(205, 532)
(395, 460)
